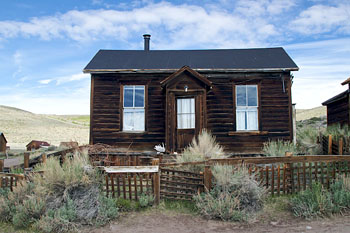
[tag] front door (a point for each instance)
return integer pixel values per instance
(185, 121)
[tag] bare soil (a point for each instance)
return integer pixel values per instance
(172, 222)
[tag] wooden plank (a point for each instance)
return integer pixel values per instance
(207, 178)
(107, 188)
(329, 144)
(135, 186)
(284, 178)
(278, 179)
(129, 185)
(272, 180)
(1, 165)
(304, 176)
(26, 160)
(340, 146)
(130, 169)
(112, 183)
(124, 186)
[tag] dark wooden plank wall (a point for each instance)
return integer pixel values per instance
(338, 112)
(274, 116)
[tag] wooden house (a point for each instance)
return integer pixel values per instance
(34, 145)
(3, 142)
(338, 107)
(140, 98)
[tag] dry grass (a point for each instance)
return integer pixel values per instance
(20, 127)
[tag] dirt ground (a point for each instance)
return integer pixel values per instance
(156, 221)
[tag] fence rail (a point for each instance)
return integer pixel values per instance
(335, 145)
(10, 181)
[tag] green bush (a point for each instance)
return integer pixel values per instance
(146, 200)
(107, 210)
(202, 148)
(126, 205)
(279, 148)
(29, 212)
(307, 141)
(320, 202)
(236, 195)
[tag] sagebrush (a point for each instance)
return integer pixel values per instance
(236, 195)
(279, 148)
(201, 148)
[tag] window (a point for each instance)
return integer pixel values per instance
(134, 108)
(246, 107)
(186, 113)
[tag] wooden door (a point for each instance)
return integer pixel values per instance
(185, 121)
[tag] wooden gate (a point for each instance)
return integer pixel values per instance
(180, 185)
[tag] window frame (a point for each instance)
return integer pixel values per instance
(235, 107)
(190, 113)
(122, 107)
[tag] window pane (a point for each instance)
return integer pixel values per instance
(139, 97)
(252, 96)
(241, 95)
(128, 119)
(134, 120)
(128, 96)
(241, 120)
(139, 120)
(252, 119)
(186, 113)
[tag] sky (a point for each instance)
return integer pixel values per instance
(45, 45)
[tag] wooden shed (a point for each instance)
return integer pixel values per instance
(34, 145)
(338, 107)
(140, 98)
(3, 143)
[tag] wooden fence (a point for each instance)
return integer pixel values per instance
(283, 175)
(122, 159)
(10, 180)
(180, 185)
(335, 146)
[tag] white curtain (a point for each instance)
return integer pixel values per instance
(186, 113)
(134, 120)
(240, 118)
(252, 119)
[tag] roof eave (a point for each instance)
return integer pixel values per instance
(91, 71)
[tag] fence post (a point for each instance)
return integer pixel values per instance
(1, 165)
(329, 144)
(43, 158)
(156, 182)
(26, 160)
(340, 146)
(207, 178)
(290, 177)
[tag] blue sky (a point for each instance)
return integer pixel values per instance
(44, 45)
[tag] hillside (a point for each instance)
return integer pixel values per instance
(304, 114)
(20, 127)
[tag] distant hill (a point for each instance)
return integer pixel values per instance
(20, 127)
(304, 114)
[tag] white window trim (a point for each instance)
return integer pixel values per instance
(247, 108)
(133, 101)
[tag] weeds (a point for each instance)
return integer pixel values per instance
(307, 141)
(203, 148)
(279, 148)
(235, 196)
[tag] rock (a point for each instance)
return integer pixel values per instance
(274, 223)
(308, 227)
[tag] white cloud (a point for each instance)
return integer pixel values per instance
(45, 81)
(70, 78)
(323, 19)
(189, 25)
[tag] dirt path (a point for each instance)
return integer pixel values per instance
(168, 222)
(13, 162)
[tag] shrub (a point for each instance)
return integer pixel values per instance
(279, 148)
(107, 210)
(29, 212)
(201, 149)
(307, 140)
(146, 200)
(235, 196)
(320, 202)
(315, 202)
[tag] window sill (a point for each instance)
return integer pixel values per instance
(132, 132)
(247, 133)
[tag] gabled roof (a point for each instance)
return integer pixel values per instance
(195, 74)
(3, 135)
(346, 81)
(258, 59)
(336, 98)
(40, 143)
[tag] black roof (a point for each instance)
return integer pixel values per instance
(226, 59)
(336, 98)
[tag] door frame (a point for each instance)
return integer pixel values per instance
(171, 114)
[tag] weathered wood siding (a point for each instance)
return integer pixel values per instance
(338, 112)
(275, 119)
(2, 144)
